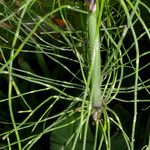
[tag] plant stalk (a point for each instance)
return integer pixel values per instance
(94, 58)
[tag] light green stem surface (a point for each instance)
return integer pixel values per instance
(94, 59)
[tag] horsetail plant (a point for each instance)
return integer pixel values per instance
(92, 90)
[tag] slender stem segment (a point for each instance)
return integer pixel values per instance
(94, 54)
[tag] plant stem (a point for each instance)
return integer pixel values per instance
(94, 58)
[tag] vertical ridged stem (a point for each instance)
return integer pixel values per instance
(94, 58)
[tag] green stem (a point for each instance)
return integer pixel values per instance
(94, 58)
(10, 104)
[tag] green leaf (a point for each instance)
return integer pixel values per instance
(60, 138)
